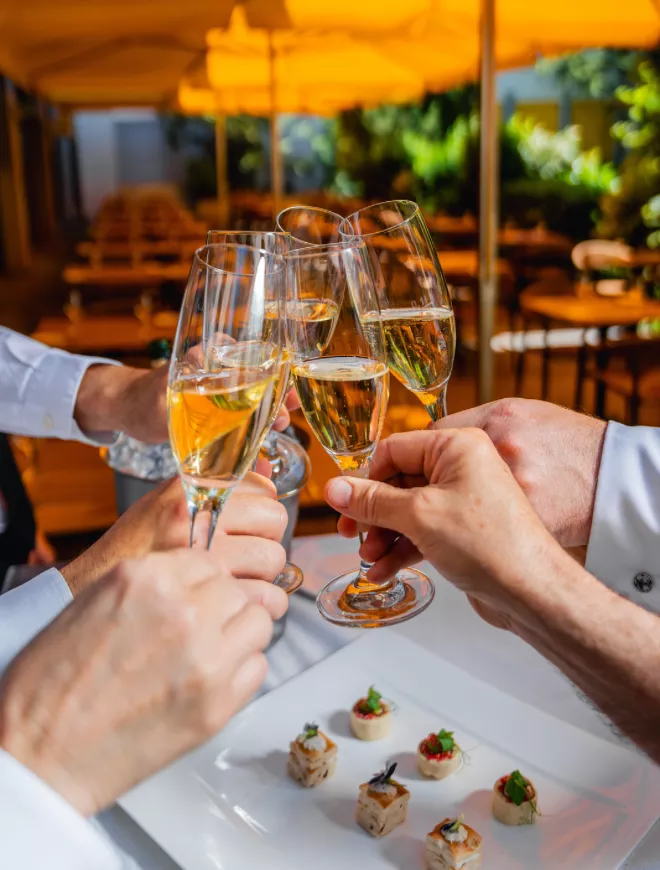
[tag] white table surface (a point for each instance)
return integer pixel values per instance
(450, 628)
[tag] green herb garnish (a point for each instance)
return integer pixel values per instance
(310, 729)
(443, 741)
(516, 788)
(452, 826)
(372, 702)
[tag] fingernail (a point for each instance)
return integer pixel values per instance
(340, 492)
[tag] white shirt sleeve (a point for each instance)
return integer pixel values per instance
(38, 389)
(624, 545)
(39, 829)
(26, 610)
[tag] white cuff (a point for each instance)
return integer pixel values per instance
(39, 829)
(624, 545)
(39, 395)
(26, 610)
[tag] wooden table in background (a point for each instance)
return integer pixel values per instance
(593, 311)
(138, 275)
(106, 334)
(535, 239)
(137, 251)
(464, 266)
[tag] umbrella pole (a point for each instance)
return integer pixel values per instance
(276, 179)
(488, 204)
(222, 184)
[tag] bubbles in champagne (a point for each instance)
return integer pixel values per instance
(344, 399)
(420, 347)
(217, 422)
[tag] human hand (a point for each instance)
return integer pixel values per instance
(246, 538)
(143, 666)
(554, 455)
(124, 399)
(451, 499)
(283, 419)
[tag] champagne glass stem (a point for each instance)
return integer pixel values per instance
(212, 524)
(270, 452)
(438, 409)
(362, 583)
(193, 516)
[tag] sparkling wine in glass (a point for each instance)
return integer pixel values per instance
(413, 300)
(227, 371)
(342, 381)
(289, 462)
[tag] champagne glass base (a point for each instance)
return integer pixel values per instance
(289, 461)
(290, 578)
(409, 595)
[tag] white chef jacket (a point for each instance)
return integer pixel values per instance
(38, 389)
(624, 545)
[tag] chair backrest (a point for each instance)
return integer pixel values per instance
(599, 254)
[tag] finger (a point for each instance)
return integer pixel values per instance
(370, 502)
(347, 527)
(378, 542)
(254, 484)
(404, 453)
(219, 600)
(274, 599)
(248, 631)
(250, 515)
(292, 401)
(403, 554)
(249, 558)
(248, 678)
(471, 418)
(282, 421)
(263, 468)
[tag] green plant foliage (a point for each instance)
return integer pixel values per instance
(632, 211)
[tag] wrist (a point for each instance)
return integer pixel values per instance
(547, 598)
(101, 401)
(27, 738)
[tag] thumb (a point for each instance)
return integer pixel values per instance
(370, 502)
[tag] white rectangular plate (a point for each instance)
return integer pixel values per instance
(230, 804)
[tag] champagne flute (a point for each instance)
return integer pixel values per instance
(310, 225)
(227, 372)
(414, 304)
(342, 381)
(289, 462)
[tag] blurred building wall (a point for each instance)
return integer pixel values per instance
(540, 97)
(118, 148)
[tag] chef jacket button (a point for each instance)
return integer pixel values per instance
(643, 582)
(48, 422)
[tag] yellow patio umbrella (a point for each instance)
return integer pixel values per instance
(448, 42)
(263, 72)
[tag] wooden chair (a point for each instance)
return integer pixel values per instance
(598, 254)
(629, 368)
(557, 284)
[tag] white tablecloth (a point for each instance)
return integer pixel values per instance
(449, 627)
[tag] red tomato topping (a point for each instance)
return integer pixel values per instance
(425, 749)
(370, 715)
